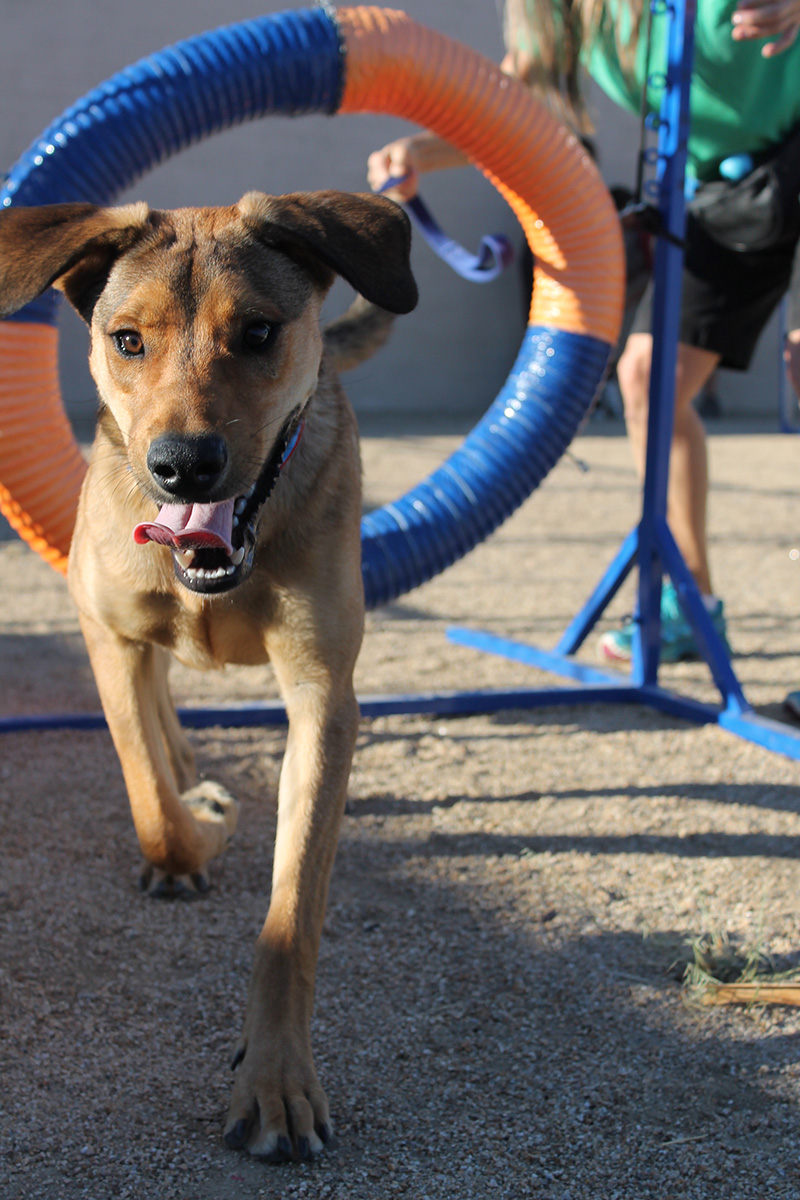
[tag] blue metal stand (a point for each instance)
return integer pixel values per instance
(650, 546)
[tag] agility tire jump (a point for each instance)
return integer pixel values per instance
(355, 60)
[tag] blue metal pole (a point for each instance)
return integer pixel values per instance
(581, 626)
(673, 135)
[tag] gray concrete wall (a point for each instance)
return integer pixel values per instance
(453, 353)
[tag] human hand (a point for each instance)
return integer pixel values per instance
(791, 356)
(767, 18)
(395, 161)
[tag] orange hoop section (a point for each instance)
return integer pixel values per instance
(394, 65)
(43, 475)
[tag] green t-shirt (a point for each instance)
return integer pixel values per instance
(740, 102)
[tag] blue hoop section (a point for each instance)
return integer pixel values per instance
(292, 63)
(504, 458)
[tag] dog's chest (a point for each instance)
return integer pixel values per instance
(216, 635)
(202, 632)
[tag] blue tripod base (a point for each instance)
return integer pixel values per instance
(593, 684)
(612, 688)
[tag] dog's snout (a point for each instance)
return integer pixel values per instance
(189, 467)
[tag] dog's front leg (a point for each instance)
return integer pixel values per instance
(278, 1107)
(179, 832)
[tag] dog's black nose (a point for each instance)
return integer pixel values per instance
(188, 467)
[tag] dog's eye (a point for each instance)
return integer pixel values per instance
(257, 335)
(129, 343)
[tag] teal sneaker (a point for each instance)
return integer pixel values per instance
(677, 639)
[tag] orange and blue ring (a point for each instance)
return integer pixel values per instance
(315, 61)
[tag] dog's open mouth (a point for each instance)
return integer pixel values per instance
(213, 545)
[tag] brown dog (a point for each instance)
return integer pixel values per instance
(208, 358)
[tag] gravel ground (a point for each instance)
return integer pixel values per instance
(499, 1006)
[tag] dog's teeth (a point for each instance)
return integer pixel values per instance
(237, 556)
(235, 522)
(185, 557)
(229, 570)
(241, 504)
(250, 491)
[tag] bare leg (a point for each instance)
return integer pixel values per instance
(688, 473)
(791, 356)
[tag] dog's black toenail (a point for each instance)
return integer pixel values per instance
(304, 1148)
(325, 1133)
(163, 888)
(280, 1154)
(236, 1138)
(273, 1159)
(201, 884)
(237, 1058)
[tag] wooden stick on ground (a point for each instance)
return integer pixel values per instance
(752, 993)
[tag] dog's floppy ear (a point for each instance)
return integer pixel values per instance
(364, 238)
(69, 246)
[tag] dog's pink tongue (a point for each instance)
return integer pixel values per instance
(190, 527)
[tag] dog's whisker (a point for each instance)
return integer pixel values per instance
(118, 483)
(277, 418)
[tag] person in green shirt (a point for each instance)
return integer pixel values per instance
(744, 101)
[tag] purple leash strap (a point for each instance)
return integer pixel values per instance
(494, 254)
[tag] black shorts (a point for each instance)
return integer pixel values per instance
(728, 296)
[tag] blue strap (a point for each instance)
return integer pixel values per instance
(291, 445)
(494, 254)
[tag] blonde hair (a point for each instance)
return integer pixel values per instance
(545, 38)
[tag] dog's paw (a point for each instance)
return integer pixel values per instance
(278, 1110)
(217, 810)
(210, 803)
(160, 885)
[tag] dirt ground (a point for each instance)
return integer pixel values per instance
(499, 1005)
